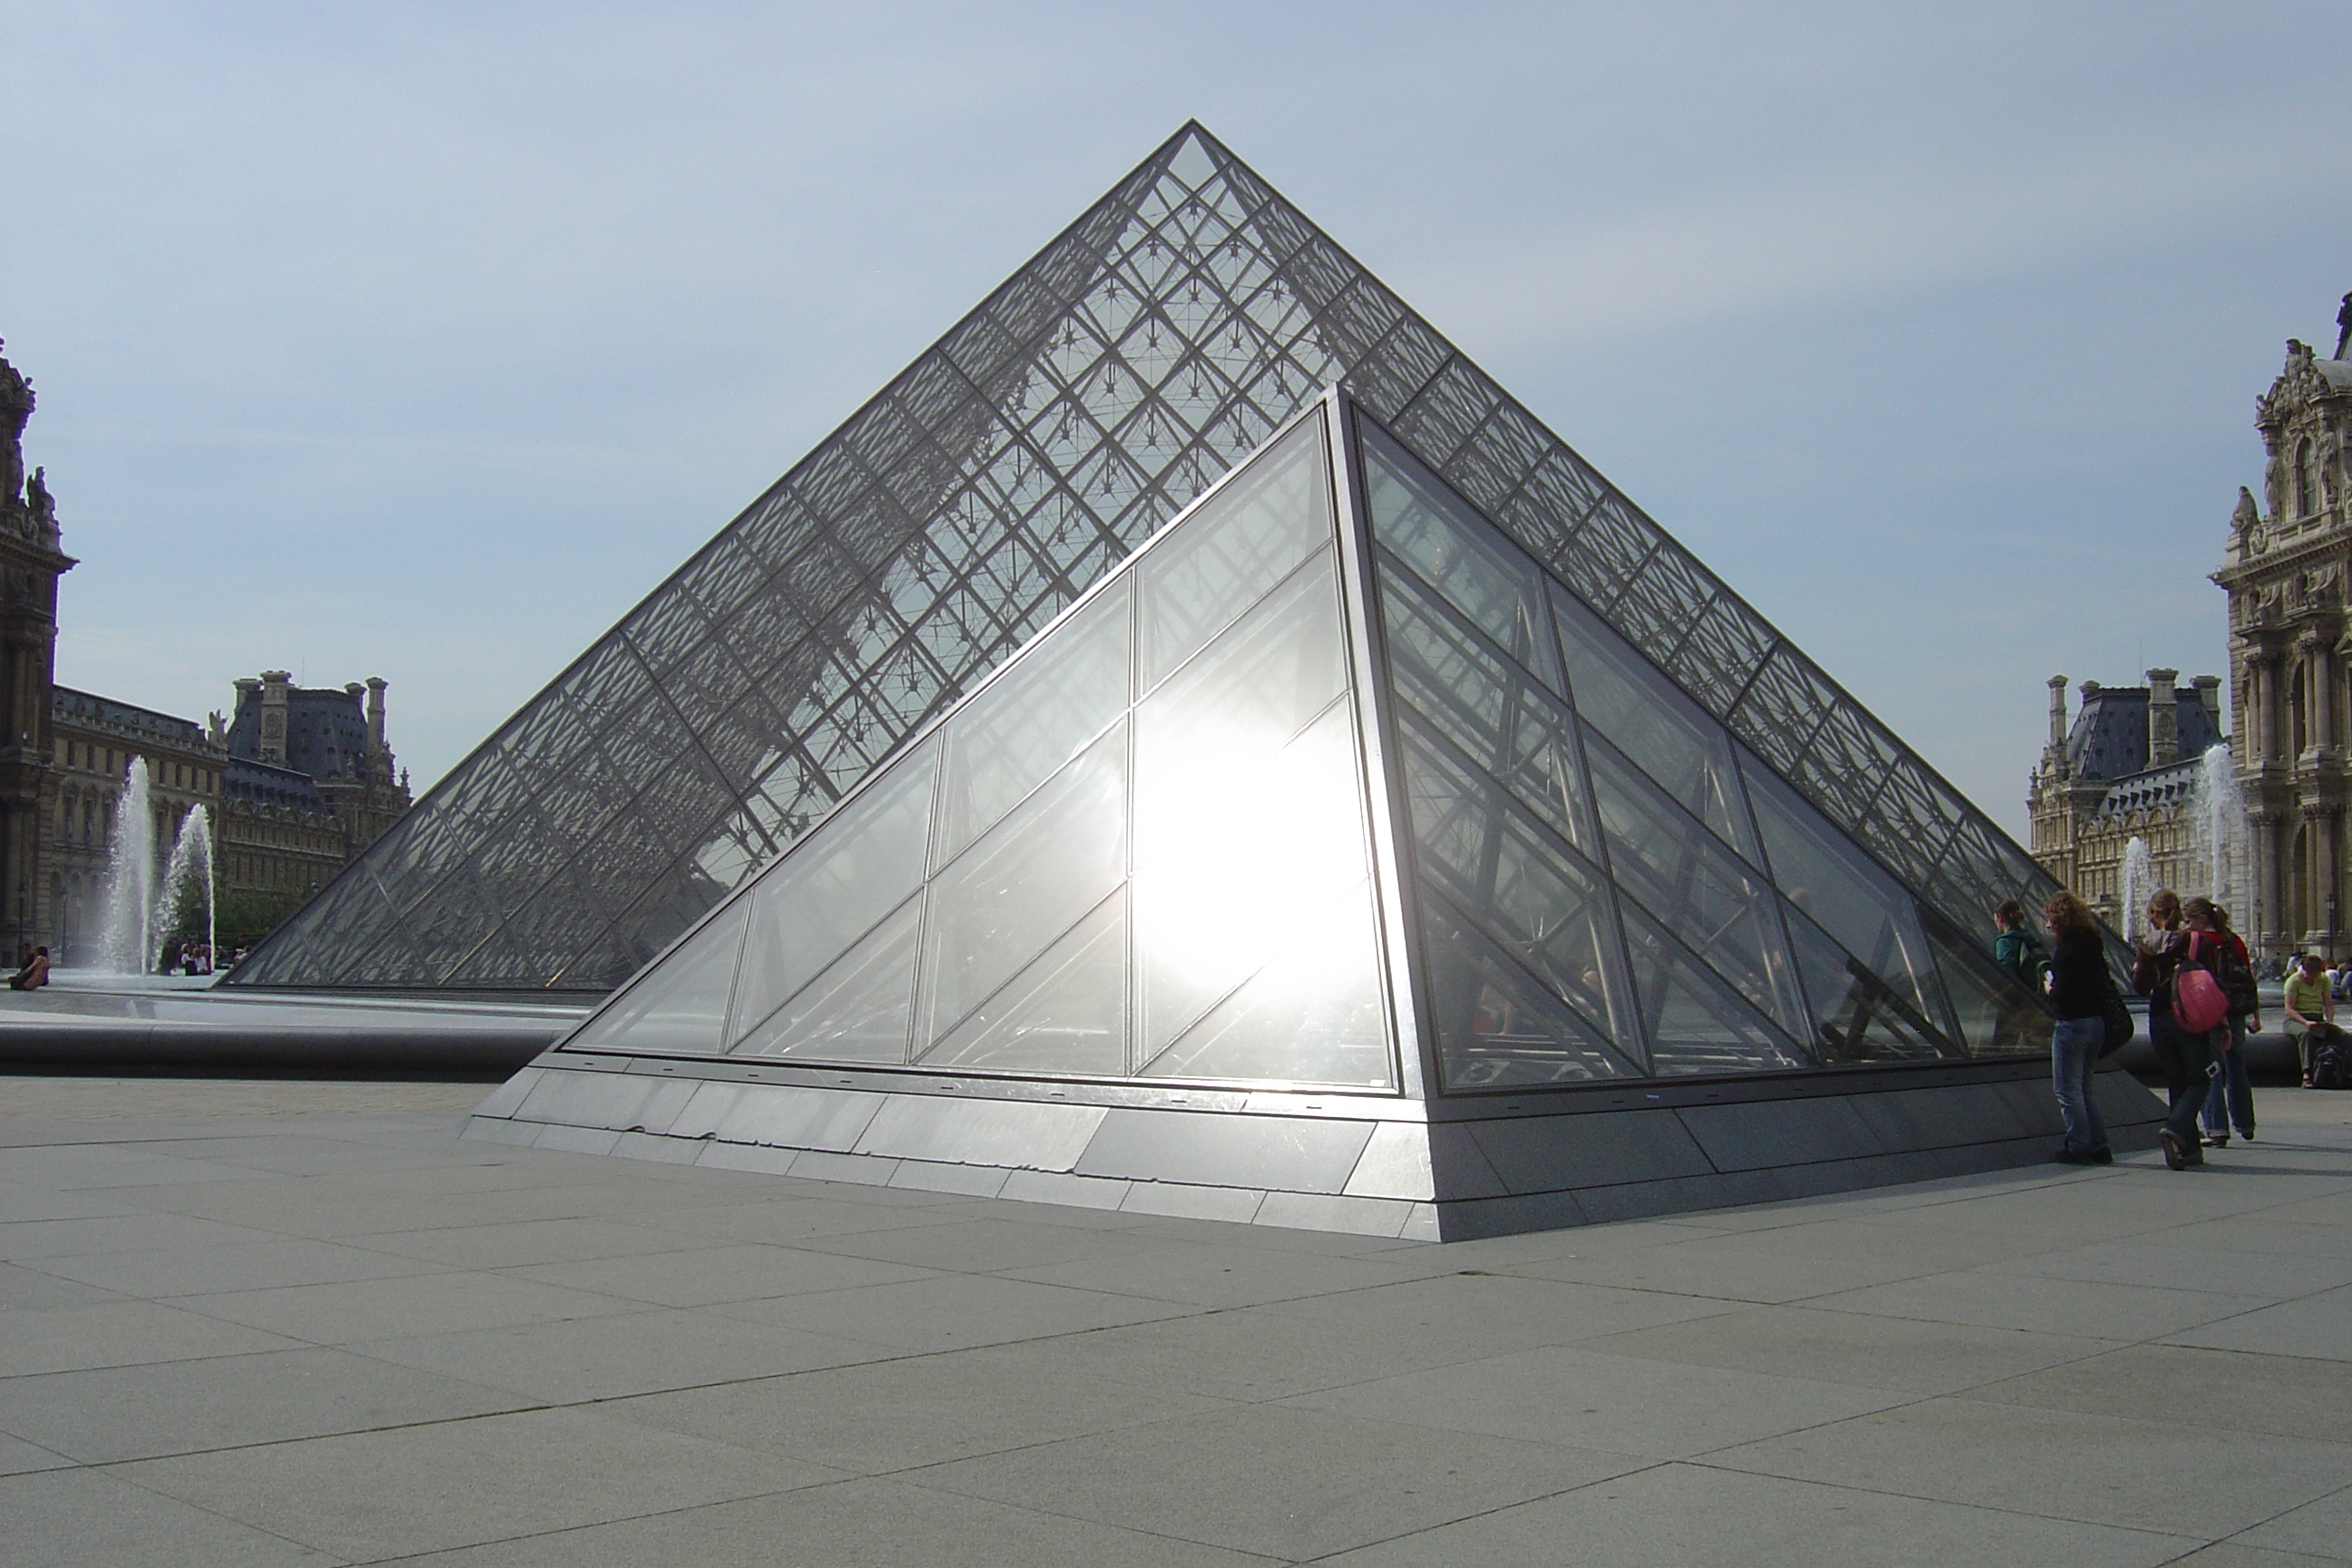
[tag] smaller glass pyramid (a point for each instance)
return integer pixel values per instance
(1330, 786)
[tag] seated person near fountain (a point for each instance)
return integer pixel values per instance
(33, 968)
(2310, 1008)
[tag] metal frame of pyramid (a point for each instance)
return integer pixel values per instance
(1328, 863)
(1141, 354)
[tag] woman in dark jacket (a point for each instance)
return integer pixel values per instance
(2078, 996)
(2185, 1056)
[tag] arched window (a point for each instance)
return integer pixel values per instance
(2306, 480)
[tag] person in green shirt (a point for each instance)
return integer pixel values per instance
(2310, 1006)
(2023, 1023)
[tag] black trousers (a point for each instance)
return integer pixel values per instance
(2185, 1058)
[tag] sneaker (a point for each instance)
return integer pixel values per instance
(2176, 1153)
(2217, 1140)
(2077, 1157)
(2246, 1134)
(2103, 1156)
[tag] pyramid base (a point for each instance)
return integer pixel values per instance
(1374, 1168)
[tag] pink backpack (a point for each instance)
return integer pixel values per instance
(2199, 1003)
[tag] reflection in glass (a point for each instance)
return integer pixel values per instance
(1024, 883)
(1996, 1015)
(1667, 735)
(1240, 544)
(1026, 725)
(1825, 875)
(1460, 554)
(856, 1011)
(1696, 1025)
(1496, 1028)
(819, 900)
(679, 1007)
(1859, 1016)
(1687, 880)
(1066, 1014)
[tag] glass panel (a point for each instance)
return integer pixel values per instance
(1242, 844)
(1232, 551)
(1858, 1015)
(1696, 1024)
(1311, 1015)
(856, 1011)
(1996, 1015)
(1067, 1012)
(1456, 550)
(1538, 903)
(1496, 1028)
(831, 887)
(1025, 882)
(1504, 723)
(1034, 717)
(1824, 875)
(1620, 693)
(679, 1007)
(1687, 878)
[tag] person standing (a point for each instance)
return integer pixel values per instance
(2229, 1102)
(2156, 964)
(2078, 996)
(2310, 1009)
(2021, 1023)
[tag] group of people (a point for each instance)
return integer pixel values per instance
(2211, 1098)
(32, 968)
(187, 958)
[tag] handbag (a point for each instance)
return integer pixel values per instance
(2116, 1020)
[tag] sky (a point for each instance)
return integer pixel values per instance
(422, 341)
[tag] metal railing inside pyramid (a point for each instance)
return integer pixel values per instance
(1142, 354)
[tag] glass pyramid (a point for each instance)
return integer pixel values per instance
(1332, 785)
(1149, 347)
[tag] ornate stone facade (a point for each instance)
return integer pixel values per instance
(2125, 767)
(2291, 652)
(30, 565)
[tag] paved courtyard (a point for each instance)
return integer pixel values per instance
(296, 1322)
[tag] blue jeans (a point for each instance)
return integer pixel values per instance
(2073, 1058)
(2185, 1056)
(2231, 1101)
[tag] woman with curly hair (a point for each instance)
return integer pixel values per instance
(2078, 997)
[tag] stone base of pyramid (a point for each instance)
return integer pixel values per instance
(1316, 1163)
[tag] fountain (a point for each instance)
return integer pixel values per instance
(141, 915)
(124, 947)
(2138, 883)
(186, 875)
(2217, 825)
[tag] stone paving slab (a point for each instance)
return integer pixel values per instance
(297, 1322)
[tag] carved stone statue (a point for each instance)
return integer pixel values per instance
(2344, 326)
(40, 502)
(15, 408)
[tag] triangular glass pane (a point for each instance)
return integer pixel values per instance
(1025, 882)
(1668, 736)
(862, 862)
(680, 1006)
(858, 1010)
(1032, 719)
(1996, 1014)
(1694, 886)
(1844, 891)
(1696, 1024)
(1496, 1028)
(1240, 840)
(1448, 546)
(1313, 1015)
(1530, 896)
(1241, 542)
(1859, 1016)
(1493, 713)
(1066, 1014)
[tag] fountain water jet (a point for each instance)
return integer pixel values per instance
(2217, 824)
(192, 860)
(2137, 883)
(124, 946)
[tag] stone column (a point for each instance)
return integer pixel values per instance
(2269, 925)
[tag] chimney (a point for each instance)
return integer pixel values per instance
(2057, 713)
(2209, 692)
(2163, 717)
(379, 755)
(274, 687)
